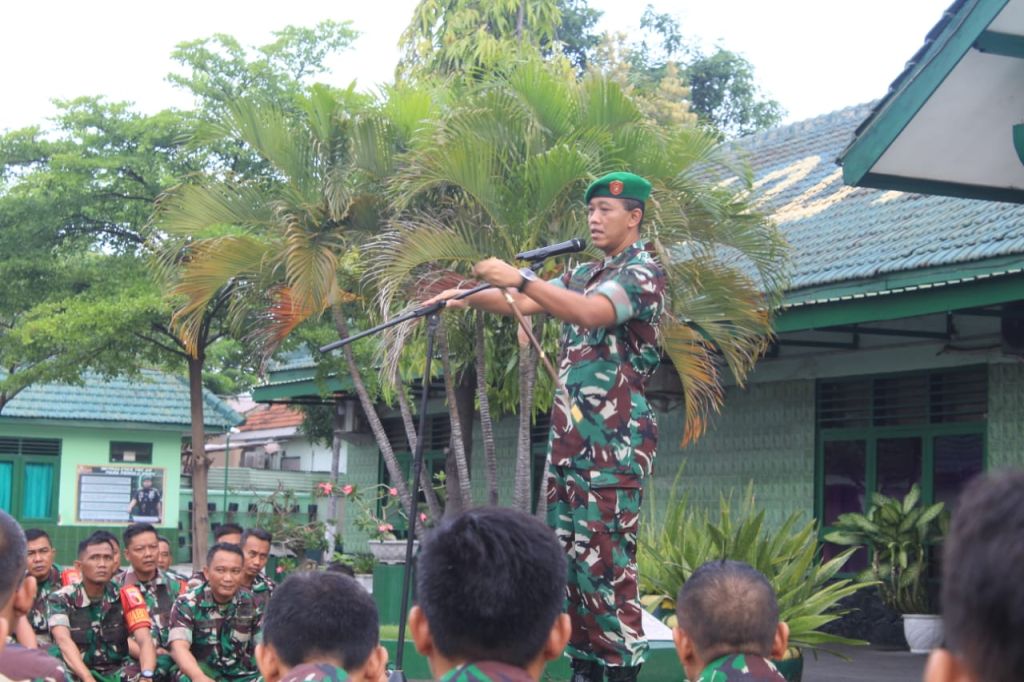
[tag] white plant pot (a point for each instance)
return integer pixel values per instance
(924, 632)
(390, 551)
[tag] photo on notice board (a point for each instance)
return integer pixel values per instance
(116, 494)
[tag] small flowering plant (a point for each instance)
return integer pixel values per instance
(376, 505)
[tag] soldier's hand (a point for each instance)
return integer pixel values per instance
(447, 296)
(497, 272)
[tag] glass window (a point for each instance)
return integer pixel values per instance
(844, 478)
(131, 453)
(899, 465)
(36, 501)
(957, 459)
(6, 485)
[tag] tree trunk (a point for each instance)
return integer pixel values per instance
(426, 480)
(486, 423)
(524, 456)
(462, 490)
(520, 17)
(200, 464)
(394, 470)
(332, 523)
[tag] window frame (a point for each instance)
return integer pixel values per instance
(19, 460)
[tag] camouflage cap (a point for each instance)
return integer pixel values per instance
(619, 185)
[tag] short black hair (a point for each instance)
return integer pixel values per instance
(314, 614)
(33, 534)
(138, 529)
(107, 536)
(229, 547)
(982, 596)
(491, 582)
(257, 533)
(161, 538)
(226, 529)
(728, 607)
(631, 205)
(100, 537)
(342, 568)
(13, 556)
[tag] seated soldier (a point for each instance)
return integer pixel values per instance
(490, 586)
(256, 552)
(728, 625)
(141, 548)
(321, 626)
(41, 566)
(213, 626)
(164, 559)
(17, 592)
(91, 621)
(224, 533)
(982, 595)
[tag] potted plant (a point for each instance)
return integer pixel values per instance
(673, 545)
(377, 507)
(901, 534)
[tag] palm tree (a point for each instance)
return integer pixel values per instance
(278, 241)
(505, 168)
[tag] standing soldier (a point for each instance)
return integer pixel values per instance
(41, 566)
(603, 442)
(256, 552)
(91, 621)
(141, 548)
(213, 626)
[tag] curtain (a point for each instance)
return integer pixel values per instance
(38, 491)
(6, 481)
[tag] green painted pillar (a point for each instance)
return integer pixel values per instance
(387, 591)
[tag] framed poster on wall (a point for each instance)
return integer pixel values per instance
(120, 494)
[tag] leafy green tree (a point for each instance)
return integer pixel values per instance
(504, 169)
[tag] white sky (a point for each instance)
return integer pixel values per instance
(814, 56)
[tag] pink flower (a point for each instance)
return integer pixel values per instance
(326, 488)
(385, 528)
(423, 517)
(393, 492)
(280, 569)
(347, 489)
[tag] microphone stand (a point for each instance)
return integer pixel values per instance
(431, 312)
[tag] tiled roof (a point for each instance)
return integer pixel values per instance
(151, 398)
(273, 416)
(842, 235)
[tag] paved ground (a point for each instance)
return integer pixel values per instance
(868, 665)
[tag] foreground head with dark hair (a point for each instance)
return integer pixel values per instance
(726, 609)
(320, 619)
(17, 591)
(982, 594)
(228, 532)
(490, 585)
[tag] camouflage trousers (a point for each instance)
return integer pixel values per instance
(595, 516)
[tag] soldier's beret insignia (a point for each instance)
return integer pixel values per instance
(615, 187)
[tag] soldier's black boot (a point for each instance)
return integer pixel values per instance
(628, 673)
(586, 671)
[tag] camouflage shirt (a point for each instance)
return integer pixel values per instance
(19, 663)
(315, 672)
(262, 588)
(98, 628)
(160, 593)
(221, 636)
(37, 616)
(605, 369)
(486, 671)
(740, 668)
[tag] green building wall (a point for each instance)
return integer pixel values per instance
(1005, 416)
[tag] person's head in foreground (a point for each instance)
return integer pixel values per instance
(490, 585)
(728, 609)
(320, 619)
(17, 590)
(982, 592)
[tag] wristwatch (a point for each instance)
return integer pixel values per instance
(147, 674)
(526, 276)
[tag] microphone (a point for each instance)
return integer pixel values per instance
(540, 253)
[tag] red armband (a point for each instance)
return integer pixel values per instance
(136, 615)
(70, 576)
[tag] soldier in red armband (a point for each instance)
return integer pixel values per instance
(91, 621)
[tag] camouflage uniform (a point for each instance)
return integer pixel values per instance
(486, 671)
(740, 668)
(262, 588)
(221, 636)
(160, 593)
(315, 672)
(19, 663)
(98, 629)
(37, 616)
(598, 465)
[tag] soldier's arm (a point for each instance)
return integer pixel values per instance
(24, 633)
(181, 652)
(69, 651)
(147, 650)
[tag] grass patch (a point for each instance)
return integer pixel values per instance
(389, 632)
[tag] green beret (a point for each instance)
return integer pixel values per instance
(620, 185)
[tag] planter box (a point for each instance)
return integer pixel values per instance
(390, 551)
